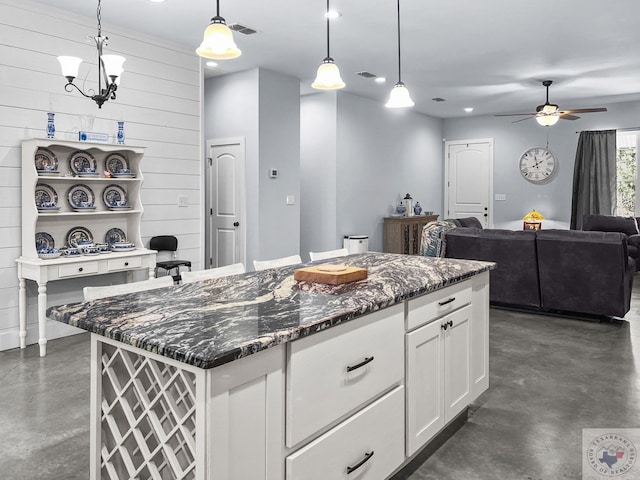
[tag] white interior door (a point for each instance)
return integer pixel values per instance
(226, 228)
(469, 177)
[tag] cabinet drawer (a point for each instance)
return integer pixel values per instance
(422, 310)
(124, 263)
(78, 269)
(332, 373)
(373, 438)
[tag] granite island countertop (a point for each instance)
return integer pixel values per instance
(213, 322)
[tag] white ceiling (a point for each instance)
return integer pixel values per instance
(487, 54)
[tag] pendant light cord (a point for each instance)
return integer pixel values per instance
(217, 8)
(328, 53)
(99, 16)
(399, 69)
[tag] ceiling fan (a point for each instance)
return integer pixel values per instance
(549, 113)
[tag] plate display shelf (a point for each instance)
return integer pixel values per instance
(72, 201)
(58, 221)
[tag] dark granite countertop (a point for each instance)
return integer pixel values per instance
(213, 322)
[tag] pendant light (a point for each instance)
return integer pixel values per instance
(218, 43)
(399, 96)
(109, 69)
(328, 75)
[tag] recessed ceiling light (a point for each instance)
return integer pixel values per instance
(468, 109)
(333, 14)
(211, 64)
(380, 80)
(157, 1)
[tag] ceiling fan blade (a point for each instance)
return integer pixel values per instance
(567, 116)
(584, 110)
(523, 119)
(511, 114)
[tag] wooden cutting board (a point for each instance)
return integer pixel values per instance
(330, 274)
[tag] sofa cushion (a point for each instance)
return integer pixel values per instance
(588, 272)
(515, 279)
(610, 223)
(466, 222)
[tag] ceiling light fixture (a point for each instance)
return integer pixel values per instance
(547, 119)
(468, 109)
(331, 14)
(109, 69)
(399, 97)
(217, 42)
(380, 80)
(328, 75)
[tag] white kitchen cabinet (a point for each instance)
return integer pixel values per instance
(56, 224)
(480, 335)
(332, 373)
(438, 376)
(366, 446)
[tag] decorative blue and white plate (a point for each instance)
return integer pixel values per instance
(44, 241)
(46, 161)
(114, 197)
(45, 196)
(116, 163)
(82, 162)
(115, 235)
(81, 197)
(79, 235)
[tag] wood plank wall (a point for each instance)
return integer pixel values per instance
(159, 100)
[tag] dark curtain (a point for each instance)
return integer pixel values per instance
(594, 176)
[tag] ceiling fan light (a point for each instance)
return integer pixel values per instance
(399, 97)
(328, 76)
(549, 108)
(217, 42)
(547, 120)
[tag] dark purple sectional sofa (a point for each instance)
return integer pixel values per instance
(567, 271)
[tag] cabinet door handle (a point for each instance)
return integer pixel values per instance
(449, 300)
(126, 264)
(367, 457)
(444, 326)
(361, 364)
(80, 269)
(450, 322)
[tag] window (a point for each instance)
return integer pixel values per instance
(626, 168)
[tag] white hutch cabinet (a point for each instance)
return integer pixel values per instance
(61, 202)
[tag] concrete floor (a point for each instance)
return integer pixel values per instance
(550, 377)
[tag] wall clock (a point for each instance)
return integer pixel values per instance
(538, 164)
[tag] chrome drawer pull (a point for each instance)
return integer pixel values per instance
(367, 457)
(361, 364)
(442, 304)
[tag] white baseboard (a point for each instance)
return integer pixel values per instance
(10, 338)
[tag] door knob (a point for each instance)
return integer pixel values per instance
(236, 224)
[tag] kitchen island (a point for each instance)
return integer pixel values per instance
(259, 376)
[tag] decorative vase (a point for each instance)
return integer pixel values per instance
(417, 209)
(51, 127)
(401, 209)
(120, 135)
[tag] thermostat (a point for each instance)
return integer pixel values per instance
(273, 173)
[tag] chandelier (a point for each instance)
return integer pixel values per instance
(109, 70)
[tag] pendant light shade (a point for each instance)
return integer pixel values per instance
(217, 42)
(328, 75)
(399, 96)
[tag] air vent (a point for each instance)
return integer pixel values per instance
(366, 74)
(438, 99)
(236, 27)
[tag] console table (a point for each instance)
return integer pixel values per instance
(44, 271)
(404, 234)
